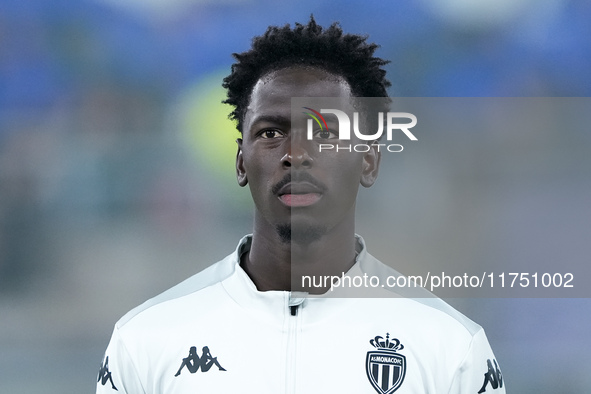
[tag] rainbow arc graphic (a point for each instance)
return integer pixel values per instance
(317, 117)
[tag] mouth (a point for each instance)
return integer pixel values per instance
(299, 195)
(300, 200)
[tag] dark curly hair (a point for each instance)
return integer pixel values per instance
(346, 55)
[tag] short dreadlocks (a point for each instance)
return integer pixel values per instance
(346, 55)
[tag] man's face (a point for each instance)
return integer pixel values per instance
(296, 189)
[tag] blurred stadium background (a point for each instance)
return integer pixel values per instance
(116, 166)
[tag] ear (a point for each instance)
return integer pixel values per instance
(240, 170)
(370, 166)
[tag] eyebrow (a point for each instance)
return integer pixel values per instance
(277, 119)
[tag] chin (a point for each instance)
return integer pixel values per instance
(300, 234)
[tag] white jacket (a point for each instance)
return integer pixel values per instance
(215, 333)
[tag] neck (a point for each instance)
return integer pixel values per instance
(274, 264)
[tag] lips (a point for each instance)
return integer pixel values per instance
(300, 200)
(299, 194)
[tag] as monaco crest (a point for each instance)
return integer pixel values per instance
(385, 367)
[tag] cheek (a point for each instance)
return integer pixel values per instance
(259, 175)
(341, 167)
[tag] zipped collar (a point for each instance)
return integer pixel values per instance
(243, 291)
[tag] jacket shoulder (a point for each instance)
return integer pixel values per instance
(204, 279)
(418, 294)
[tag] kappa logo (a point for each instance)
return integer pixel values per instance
(385, 367)
(193, 362)
(492, 376)
(104, 375)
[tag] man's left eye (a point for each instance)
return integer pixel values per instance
(271, 134)
(325, 134)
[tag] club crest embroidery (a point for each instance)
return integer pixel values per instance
(385, 367)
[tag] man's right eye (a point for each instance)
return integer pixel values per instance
(271, 133)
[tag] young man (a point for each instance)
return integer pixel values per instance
(255, 333)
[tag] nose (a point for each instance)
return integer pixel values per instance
(297, 156)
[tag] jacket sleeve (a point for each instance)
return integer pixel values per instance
(479, 371)
(117, 373)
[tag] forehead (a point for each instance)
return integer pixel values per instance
(273, 92)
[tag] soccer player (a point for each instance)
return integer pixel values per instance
(243, 312)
